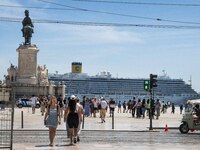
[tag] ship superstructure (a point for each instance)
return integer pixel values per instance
(103, 84)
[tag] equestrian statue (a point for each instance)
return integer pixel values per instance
(27, 29)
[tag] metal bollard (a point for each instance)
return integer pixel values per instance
(112, 119)
(83, 121)
(22, 119)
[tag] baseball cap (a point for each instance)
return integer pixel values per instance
(72, 97)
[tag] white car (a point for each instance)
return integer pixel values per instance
(24, 102)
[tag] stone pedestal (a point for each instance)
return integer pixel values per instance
(27, 64)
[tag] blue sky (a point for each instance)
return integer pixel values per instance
(128, 52)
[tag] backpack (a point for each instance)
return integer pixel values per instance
(60, 103)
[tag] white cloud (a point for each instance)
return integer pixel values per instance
(89, 35)
(108, 35)
(18, 12)
(10, 12)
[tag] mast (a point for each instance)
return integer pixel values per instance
(190, 81)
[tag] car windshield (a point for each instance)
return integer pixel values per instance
(188, 108)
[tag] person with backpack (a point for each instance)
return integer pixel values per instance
(52, 118)
(71, 117)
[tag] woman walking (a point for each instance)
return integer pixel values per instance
(71, 117)
(52, 118)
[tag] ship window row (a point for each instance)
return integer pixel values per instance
(80, 90)
(164, 87)
(127, 86)
(166, 90)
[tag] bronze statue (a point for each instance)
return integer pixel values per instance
(27, 29)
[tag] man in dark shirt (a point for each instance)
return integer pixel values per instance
(112, 106)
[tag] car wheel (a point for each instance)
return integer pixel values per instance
(37, 106)
(20, 105)
(184, 128)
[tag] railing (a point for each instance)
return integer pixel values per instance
(6, 124)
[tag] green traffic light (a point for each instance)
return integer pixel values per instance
(146, 85)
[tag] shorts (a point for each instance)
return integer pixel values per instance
(112, 109)
(73, 120)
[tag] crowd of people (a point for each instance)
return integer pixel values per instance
(138, 108)
(72, 111)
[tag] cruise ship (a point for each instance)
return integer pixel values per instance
(122, 89)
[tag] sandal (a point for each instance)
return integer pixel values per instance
(78, 139)
(75, 140)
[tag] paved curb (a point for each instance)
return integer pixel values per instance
(59, 130)
(162, 128)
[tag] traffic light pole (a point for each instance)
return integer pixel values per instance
(151, 113)
(153, 83)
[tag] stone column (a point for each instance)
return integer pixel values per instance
(27, 64)
(51, 88)
(63, 88)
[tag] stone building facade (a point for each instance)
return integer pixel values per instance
(29, 78)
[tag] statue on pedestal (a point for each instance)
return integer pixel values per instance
(42, 75)
(27, 29)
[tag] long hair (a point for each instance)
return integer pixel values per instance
(72, 105)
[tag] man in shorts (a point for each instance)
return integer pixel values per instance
(103, 109)
(33, 103)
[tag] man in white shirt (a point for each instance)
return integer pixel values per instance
(104, 106)
(33, 103)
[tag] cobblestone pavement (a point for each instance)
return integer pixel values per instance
(109, 140)
(122, 121)
(128, 133)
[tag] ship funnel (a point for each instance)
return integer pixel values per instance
(76, 67)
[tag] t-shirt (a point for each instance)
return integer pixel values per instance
(95, 104)
(103, 104)
(33, 101)
(112, 104)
